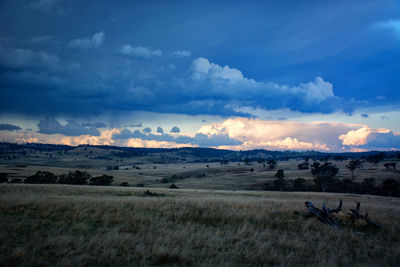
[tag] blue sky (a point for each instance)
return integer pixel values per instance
(224, 73)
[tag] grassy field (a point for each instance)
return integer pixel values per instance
(198, 175)
(47, 225)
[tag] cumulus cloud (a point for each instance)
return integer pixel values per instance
(225, 83)
(89, 42)
(140, 51)
(160, 130)
(175, 129)
(72, 128)
(255, 134)
(366, 137)
(180, 53)
(9, 127)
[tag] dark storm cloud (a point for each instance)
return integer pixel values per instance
(72, 128)
(199, 138)
(175, 129)
(9, 127)
(72, 70)
(160, 130)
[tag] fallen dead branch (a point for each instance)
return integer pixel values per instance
(326, 216)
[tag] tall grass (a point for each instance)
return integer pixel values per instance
(90, 226)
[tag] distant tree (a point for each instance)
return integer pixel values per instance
(299, 184)
(390, 165)
(41, 177)
(224, 162)
(246, 161)
(3, 177)
(303, 166)
(173, 186)
(353, 164)
(280, 174)
(326, 169)
(261, 161)
(375, 158)
(101, 180)
(325, 183)
(272, 164)
(76, 177)
(368, 186)
(280, 183)
(390, 187)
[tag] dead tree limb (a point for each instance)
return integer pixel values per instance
(355, 216)
(324, 214)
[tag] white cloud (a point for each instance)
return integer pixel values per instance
(392, 25)
(140, 51)
(94, 41)
(227, 81)
(318, 90)
(203, 69)
(255, 133)
(180, 53)
(359, 137)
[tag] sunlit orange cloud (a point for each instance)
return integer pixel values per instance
(281, 135)
(359, 137)
(136, 142)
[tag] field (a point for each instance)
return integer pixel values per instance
(214, 219)
(83, 225)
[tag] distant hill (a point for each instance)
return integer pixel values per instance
(198, 153)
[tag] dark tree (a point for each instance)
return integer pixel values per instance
(40, 177)
(272, 164)
(280, 183)
(325, 183)
(246, 161)
(326, 169)
(353, 164)
(299, 184)
(101, 180)
(280, 174)
(303, 166)
(224, 162)
(390, 165)
(76, 177)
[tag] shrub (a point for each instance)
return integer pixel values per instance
(140, 185)
(304, 166)
(15, 181)
(280, 174)
(41, 177)
(280, 183)
(124, 184)
(3, 177)
(173, 186)
(299, 184)
(76, 177)
(101, 180)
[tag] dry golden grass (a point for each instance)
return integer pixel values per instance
(106, 226)
(197, 175)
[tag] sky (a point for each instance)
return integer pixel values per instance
(275, 75)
